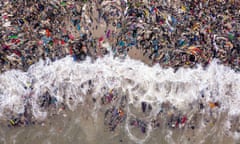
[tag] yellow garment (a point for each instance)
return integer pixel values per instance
(212, 105)
(196, 26)
(183, 8)
(146, 12)
(12, 122)
(194, 50)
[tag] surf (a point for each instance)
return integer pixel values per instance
(69, 82)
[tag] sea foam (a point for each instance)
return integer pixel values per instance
(64, 77)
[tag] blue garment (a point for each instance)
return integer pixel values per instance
(47, 50)
(46, 40)
(156, 47)
(181, 42)
(78, 27)
(121, 43)
(66, 39)
(152, 10)
(134, 41)
(174, 20)
(115, 112)
(118, 25)
(22, 58)
(74, 57)
(195, 38)
(75, 22)
(155, 42)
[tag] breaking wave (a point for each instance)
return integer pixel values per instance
(69, 82)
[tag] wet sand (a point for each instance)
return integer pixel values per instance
(80, 127)
(86, 125)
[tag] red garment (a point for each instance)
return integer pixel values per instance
(183, 120)
(48, 34)
(70, 51)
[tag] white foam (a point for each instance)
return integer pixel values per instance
(155, 85)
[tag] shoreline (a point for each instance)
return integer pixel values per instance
(167, 34)
(81, 124)
(83, 34)
(168, 118)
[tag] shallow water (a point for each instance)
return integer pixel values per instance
(68, 82)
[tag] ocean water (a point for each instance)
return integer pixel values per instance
(69, 82)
